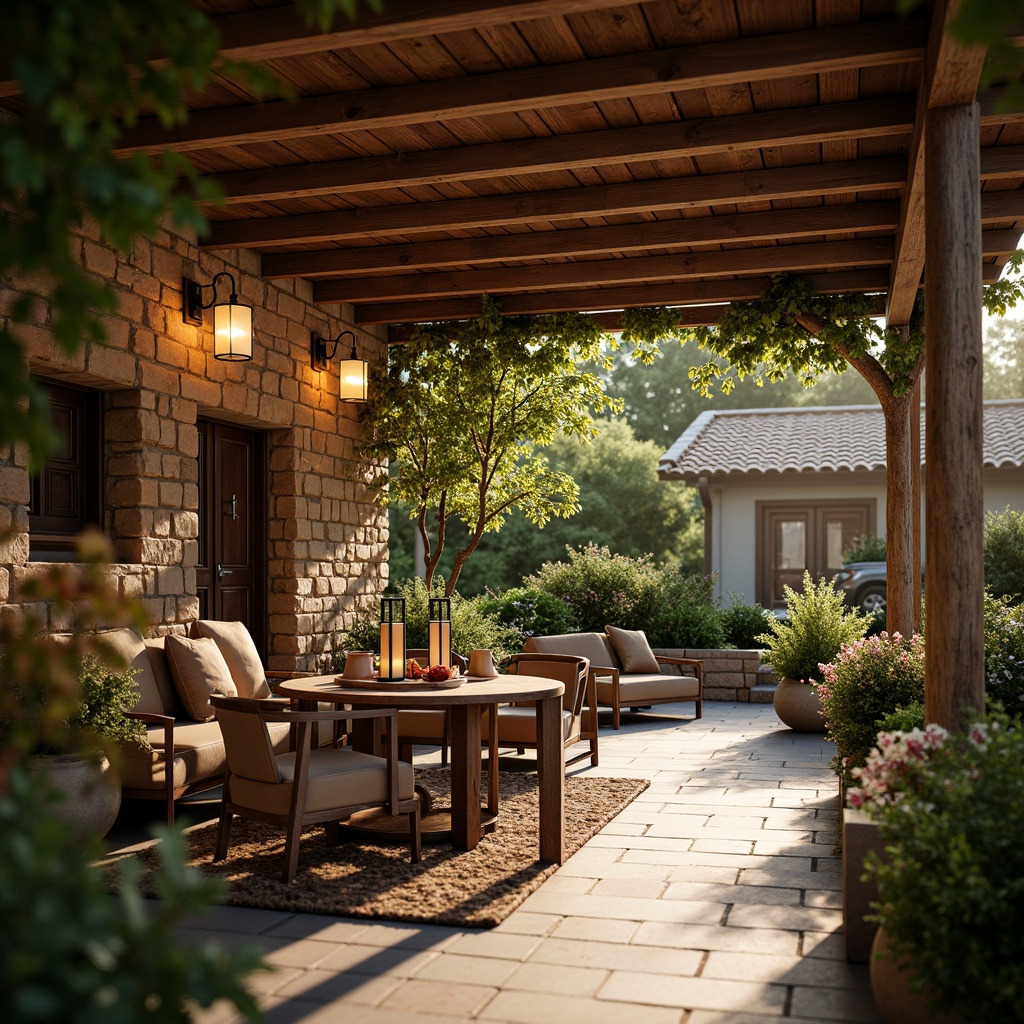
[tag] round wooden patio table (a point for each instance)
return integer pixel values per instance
(466, 704)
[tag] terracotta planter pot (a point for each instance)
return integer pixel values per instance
(92, 793)
(798, 706)
(889, 986)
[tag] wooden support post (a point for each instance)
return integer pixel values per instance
(954, 574)
(915, 495)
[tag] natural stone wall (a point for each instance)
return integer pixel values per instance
(728, 674)
(326, 537)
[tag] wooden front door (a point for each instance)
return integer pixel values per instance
(797, 536)
(231, 575)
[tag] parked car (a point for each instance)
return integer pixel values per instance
(863, 585)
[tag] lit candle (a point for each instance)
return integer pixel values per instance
(439, 633)
(392, 639)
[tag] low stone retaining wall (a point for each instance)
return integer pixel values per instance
(728, 674)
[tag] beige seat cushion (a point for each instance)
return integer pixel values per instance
(244, 664)
(519, 725)
(633, 650)
(199, 755)
(337, 778)
(595, 647)
(199, 670)
(640, 689)
(421, 725)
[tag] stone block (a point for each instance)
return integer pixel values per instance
(718, 693)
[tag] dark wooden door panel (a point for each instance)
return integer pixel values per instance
(231, 577)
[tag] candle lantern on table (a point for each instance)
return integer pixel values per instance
(392, 639)
(439, 632)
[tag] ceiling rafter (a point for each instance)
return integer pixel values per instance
(702, 66)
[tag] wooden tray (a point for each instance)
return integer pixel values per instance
(384, 686)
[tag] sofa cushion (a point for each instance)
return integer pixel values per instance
(633, 650)
(156, 646)
(244, 664)
(640, 689)
(596, 647)
(199, 670)
(519, 725)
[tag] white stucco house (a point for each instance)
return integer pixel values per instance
(788, 489)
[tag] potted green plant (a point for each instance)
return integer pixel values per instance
(78, 766)
(817, 626)
(951, 815)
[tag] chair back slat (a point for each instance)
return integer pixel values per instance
(247, 744)
(567, 669)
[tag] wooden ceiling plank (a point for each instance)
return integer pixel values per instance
(657, 72)
(951, 76)
(615, 298)
(772, 260)
(597, 200)
(879, 216)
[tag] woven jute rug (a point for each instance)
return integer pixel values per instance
(478, 889)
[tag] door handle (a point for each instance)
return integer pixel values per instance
(222, 572)
(234, 507)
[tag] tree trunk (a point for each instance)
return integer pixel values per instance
(902, 590)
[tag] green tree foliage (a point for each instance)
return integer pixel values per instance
(462, 411)
(1004, 358)
(660, 400)
(622, 505)
(87, 73)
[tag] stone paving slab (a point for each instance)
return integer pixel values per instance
(712, 899)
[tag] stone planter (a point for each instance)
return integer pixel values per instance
(798, 706)
(861, 835)
(889, 987)
(91, 792)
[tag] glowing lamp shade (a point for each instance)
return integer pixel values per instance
(232, 331)
(392, 639)
(353, 378)
(439, 632)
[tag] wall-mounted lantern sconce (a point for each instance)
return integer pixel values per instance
(232, 320)
(353, 370)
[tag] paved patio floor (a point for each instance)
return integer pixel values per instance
(714, 897)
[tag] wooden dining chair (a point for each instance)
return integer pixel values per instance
(310, 785)
(517, 725)
(432, 728)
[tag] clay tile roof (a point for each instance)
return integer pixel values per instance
(735, 443)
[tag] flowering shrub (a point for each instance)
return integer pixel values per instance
(529, 611)
(687, 615)
(951, 813)
(866, 681)
(744, 623)
(1004, 654)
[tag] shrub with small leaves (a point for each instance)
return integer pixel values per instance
(865, 547)
(686, 615)
(819, 624)
(601, 588)
(744, 623)
(529, 611)
(1004, 553)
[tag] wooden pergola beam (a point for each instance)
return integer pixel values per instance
(740, 227)
(679, 69)
(719, 230)
(862, 176)
(951, 75)
(615, 299)
(684, 266)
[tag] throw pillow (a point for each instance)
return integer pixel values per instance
(633, 649)
(199, 670)
(239, 652)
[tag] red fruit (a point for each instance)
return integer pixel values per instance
(438, 673)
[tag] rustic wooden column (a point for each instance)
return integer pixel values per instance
(915, 495)
(954, 511)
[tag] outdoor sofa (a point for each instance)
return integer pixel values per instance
(626, 673)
